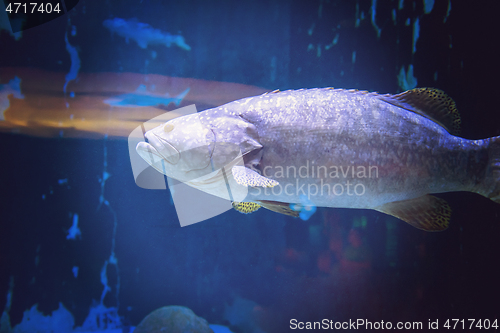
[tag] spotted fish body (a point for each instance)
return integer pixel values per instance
(351, 149)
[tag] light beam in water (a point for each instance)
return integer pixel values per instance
(43, 112)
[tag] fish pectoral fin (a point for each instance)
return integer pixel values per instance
(275, 206)
(245, 207)
(279, 207)
(427, 212)
(431, 103)
(247, 177)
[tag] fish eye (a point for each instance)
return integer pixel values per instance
(168, 127)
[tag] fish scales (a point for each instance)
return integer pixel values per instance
(345, 128)
(340, 148)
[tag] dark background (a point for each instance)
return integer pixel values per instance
(269, 259)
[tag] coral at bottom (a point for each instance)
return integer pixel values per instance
(173, 319)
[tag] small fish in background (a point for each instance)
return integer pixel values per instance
(143, 98)
(143, 33)
(12, 88)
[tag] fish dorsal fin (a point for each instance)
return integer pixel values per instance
(279, 207)
(427, 212)
(245, 207)
(431, 103)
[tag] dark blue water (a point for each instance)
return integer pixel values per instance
(253, 272)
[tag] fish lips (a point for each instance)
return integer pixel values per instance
(185, 164)
(164, 148)
(151, 156)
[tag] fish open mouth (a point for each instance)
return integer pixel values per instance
(165, 149)
(191, 162)
(151, 156)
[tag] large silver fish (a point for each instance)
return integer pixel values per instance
(339, 148)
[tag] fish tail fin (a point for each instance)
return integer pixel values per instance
(491, 182)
